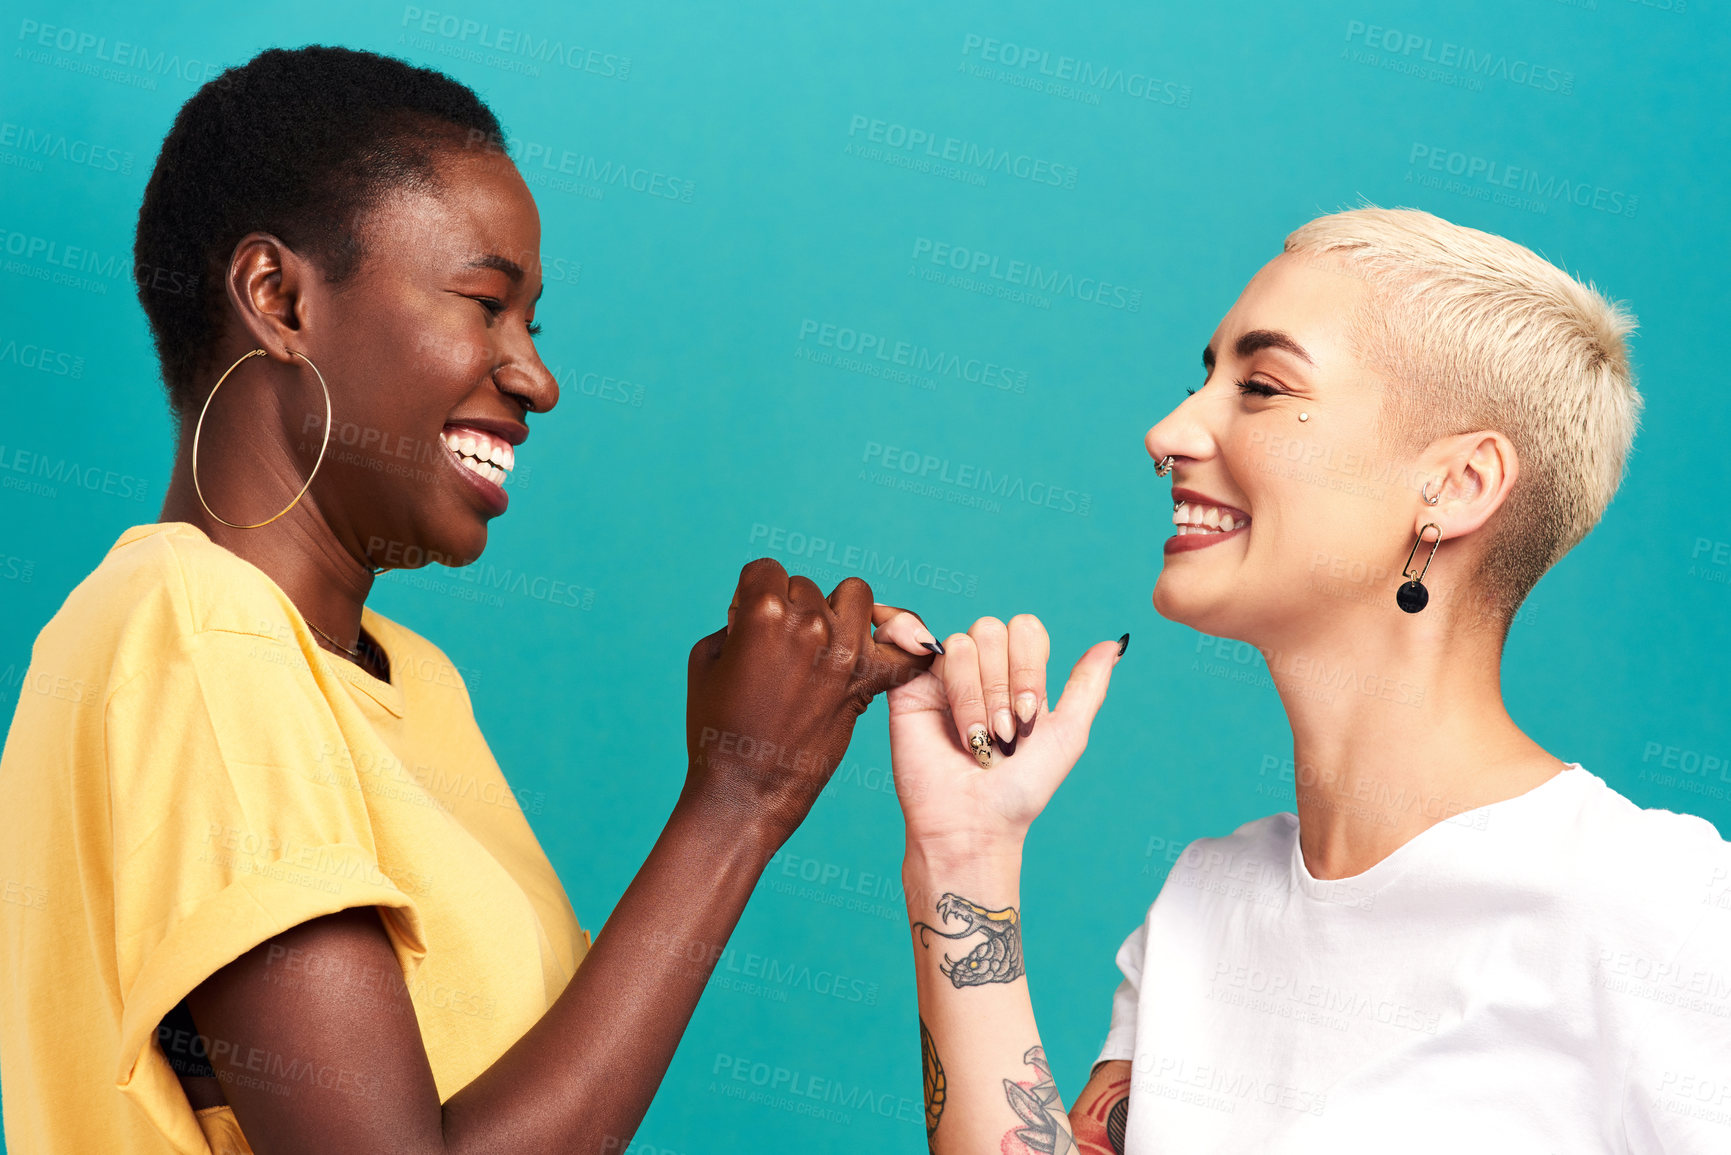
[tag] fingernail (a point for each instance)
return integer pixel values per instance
(981, 744)
(1004, 723)
(934, 647)
(1026, 706)
(1008, 747)
(1123, 644)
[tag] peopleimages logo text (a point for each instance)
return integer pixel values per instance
(1057, 282)
(1085, 74)
(955, 150)
(1447, 54)
(1470, 167)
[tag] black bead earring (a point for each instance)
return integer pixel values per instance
(1413, 597)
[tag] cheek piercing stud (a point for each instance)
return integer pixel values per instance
(1304, 417)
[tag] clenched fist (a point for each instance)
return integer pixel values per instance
(773, 696)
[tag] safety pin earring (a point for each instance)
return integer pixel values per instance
(1413, 597)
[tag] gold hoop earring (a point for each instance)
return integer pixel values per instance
(199, 428)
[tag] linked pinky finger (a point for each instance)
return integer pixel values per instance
(904, 628)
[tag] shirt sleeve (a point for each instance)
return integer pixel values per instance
(1121, 1034)
(1677, 1093)
(236, 815)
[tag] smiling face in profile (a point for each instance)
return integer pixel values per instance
(1282, 480)
(448, 366)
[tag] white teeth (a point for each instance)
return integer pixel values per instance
(1192, 517)
(481, 455)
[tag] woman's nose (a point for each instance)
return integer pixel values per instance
(530, 381)
(1179, 435)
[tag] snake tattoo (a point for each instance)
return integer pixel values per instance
(998, 959)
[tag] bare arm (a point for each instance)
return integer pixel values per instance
(986, 1073)
(1102, 1109)
(581, 1079)
(976, 1019)
(787, 679)
(988, 1084)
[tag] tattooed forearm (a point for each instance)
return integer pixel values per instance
(1102, 1120)
(1044, 1126)
(935, 1085)
(1116, 1120)
(998, 959)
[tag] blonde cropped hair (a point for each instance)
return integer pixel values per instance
(1477, 332)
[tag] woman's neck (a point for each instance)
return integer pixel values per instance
(1393, 731)
(299, 551)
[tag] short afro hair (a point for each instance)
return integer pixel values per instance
(300, 143)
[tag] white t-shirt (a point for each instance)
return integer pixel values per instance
(1549, 973)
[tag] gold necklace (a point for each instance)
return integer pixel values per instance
(355, 654)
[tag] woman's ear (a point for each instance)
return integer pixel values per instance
(1477, 472)
(265, 282)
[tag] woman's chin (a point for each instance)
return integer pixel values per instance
(452, 545)
(463, 540)
(1186, 604)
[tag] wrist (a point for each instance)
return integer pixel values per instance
(723, 830)
(930, 871)
(964, 852)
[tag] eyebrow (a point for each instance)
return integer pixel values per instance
(505, 265)
(1255, 341)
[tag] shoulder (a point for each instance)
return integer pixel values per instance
(173, 569)
(1615, 837)
(1254, 846)
(156, 588)
(1257, 857)
(1650, 876)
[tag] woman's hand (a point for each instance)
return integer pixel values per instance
(774, 695)
(989, 681)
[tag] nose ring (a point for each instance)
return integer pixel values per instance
(1163, 466)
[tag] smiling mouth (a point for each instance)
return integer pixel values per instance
(487, 456)
(1195, 517)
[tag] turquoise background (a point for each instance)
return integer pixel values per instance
(702, 425)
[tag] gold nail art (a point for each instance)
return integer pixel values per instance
(981, 743)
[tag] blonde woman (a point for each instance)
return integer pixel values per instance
(1460, 941)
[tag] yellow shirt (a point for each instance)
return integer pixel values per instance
(188, 774)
